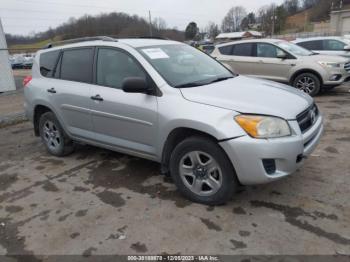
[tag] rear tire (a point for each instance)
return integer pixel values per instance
(308, 83)
(53, 136)
(202, 171)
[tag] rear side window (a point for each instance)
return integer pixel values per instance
(226, 50)
(333, 45)
(243, 49)
(48, 62)
(312, 45)
(76, 65)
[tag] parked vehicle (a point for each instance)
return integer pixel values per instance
(169, 102)
(209, 48)
(331, 45)
(28, 61)
(16, 61)
(284, 62)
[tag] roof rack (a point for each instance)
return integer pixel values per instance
(147, 37)
(81, 39)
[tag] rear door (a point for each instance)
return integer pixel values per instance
(70, 90)
(124, 120)
(240, 57)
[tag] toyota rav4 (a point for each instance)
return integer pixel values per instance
(210, 129)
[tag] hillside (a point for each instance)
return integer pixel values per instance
(112, 24)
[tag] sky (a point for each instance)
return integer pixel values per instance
(23, 17)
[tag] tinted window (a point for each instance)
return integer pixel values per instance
(114, 66)
(76, 65)
(243, 49)
(312, 45)
(48, 62)
(333, 45)
(226, 50)
(267, 50)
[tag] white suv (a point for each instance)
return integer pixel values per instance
(331, 45)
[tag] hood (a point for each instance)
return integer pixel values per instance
(249, 95)
(326, 58)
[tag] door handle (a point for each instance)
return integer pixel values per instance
(52, 90)
(97, 98)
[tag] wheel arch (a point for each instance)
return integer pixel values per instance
(303, 71)
(39, 110)
(175, 137)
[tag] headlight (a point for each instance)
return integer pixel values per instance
(330, 64)
(263, 126)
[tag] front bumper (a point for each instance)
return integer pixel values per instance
(247, 154)
(342, 74)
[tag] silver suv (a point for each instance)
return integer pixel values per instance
(284, 62)
(210, 129)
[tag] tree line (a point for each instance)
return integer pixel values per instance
(113, 24)
(269, 19)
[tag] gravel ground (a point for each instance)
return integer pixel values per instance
(101, 202)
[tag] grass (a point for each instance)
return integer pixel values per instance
(33, 46)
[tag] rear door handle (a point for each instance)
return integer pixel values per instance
(97, 98)
(52, 90)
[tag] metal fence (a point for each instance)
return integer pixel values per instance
(294, 36)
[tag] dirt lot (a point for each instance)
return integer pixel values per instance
(100, 202)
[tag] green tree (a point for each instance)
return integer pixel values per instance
(191, 31)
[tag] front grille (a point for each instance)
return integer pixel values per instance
(307, 118)
(347, 67)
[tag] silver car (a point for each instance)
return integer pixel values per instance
(284, 62)
(165, 101)
(330, 45)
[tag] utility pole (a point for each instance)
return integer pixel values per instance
(150, 23)
(273, 21)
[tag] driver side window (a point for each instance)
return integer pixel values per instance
(113, 66)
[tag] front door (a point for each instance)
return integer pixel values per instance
(124, 120)
(269, 66)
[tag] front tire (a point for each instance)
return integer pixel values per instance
(53, 136)
(308, 83)
(202, 172)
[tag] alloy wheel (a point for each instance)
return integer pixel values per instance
(306, 84)
(200, 173)
(52, 135)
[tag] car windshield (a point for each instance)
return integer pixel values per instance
(294, 49)
(184, 66)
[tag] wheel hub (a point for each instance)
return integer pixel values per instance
(200, 172)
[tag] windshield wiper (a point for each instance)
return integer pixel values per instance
(191, 84)
(219, 79)
(194, 84)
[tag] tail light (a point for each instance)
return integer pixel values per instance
(26, 80)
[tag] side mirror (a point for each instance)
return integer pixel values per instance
(347, 48)
(282, 56)
(135, 85)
